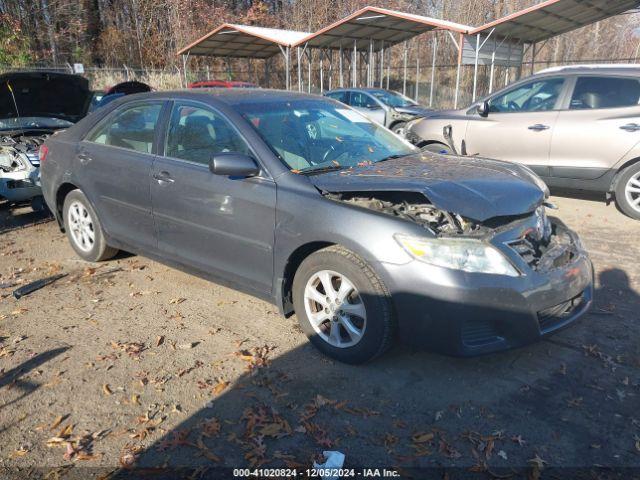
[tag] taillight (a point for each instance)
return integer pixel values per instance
(42, 153)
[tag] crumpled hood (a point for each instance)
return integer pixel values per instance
(475, 188)
(417, 110)
(44, 94)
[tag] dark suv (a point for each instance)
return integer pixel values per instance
(304, 202)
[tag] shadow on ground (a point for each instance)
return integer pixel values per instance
(565, 405)
(16, 216)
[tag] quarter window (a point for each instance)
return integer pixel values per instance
(341, 96)
(132, 128)
(605, 92)
(537, 96)
(196, 134)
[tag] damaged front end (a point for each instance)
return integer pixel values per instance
(413, 207)
(539, 243)
(20, 167)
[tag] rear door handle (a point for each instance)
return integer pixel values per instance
(630, 127)
(163, 177)
(538, 127)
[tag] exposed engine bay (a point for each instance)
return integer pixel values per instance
(413, 207)
(17, 149)
(20, 166)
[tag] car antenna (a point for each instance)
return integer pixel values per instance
(15, 104)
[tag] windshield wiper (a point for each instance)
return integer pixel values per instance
(393, 157)
(321, 169)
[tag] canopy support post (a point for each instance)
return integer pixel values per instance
(330, 60)
(533, 57)
(417, 76)
(388, 67)
(382, 64)
(321, 52)
(299, 57)
(433, 69)
(404, 69)
(340, 66)
(475, 67)
(310, 59)
(459, 45)
(354, 64)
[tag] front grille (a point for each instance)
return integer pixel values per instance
(552, 317)
(544, 255)
(478, 333)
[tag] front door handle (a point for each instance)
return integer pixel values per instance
(538, 127)
(163, 178)
(83, 158)
(630, 127)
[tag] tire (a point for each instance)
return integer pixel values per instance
(627, 191)
(399, 128)
(83, 229)
(369, 296)
(440, 148)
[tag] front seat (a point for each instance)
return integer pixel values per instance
(198, 142)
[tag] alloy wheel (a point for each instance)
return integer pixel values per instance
(632, 192)
(81, 226)
(334, 309)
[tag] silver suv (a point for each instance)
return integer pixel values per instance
(577, 127)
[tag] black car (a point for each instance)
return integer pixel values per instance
(304, 202)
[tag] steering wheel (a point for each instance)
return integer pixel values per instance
(334, 152)
(513, 106)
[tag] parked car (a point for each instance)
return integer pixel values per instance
(306, 203)
(222, 84)
(577, 127)
(33, 105)
(100, 99)
(388, 108)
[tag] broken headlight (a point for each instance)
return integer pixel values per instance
(468, 255)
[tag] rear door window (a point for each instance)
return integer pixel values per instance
(341, 96)
(362, 100)
(132, 127)
(605, 92)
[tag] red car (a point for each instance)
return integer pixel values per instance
(222, 84)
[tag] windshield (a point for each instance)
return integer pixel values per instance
(311, 135)
(393, 99)
(33, 122)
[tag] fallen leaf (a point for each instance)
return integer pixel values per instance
(106, 389)
(220, 387)
(159, 340)
(422, 437)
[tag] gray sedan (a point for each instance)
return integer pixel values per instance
(304, 202)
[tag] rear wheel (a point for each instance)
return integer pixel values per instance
(84, 230)
(343, 306)
(628, 191)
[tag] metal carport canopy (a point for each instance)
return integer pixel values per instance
(243, 41)
(384, 27)
(554, 17)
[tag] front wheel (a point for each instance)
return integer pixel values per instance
(399, 128)
(342, 306)
(84, 230)
(628, 191)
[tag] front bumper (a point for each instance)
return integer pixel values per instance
(20, 186)
(465, 314)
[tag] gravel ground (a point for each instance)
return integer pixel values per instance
(130, 362)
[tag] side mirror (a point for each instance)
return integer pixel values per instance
(233, 165)
(483, 109)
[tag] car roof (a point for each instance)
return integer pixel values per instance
(612, 69)
(365, 90)
(231, 96)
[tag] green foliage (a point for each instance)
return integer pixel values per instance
(14, 46)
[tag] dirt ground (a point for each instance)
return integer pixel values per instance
(131, 363)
